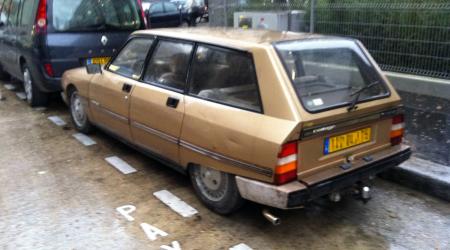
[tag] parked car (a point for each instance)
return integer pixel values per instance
(164, 14)
(195, 9)
(273, 117)
(40, 39)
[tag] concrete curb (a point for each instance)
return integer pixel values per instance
(422, 175)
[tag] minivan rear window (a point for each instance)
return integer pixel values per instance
(80, 15)
(329, 73)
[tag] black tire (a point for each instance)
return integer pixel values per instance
(78, 113)
(3, 74)
(225, 199)
(35, 97)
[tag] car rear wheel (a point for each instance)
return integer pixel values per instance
(34, 96)
(216, 189)
(78, 113)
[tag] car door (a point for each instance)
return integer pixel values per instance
(3, 19)
(157, 104)
(10, 58)
(172, 14)
(156, 15)
(223, 111)
(109, 92)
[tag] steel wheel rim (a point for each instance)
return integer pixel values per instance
(27, 84)
(212, 183)
(77, 110)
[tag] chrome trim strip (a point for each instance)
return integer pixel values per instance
(158, 133)
(106, 111)
(219, 157)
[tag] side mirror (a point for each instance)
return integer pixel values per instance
(93, 69)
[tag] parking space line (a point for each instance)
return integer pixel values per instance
(120, 165)
(21, 95)
(241, 246)
(57, 120)
(84, 139)
(175, 203)
(9, 86)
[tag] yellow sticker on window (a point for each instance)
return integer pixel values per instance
(114, 67)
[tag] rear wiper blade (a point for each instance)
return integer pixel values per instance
(357, 94)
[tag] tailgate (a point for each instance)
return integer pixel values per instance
(72, 49)
(329, 149)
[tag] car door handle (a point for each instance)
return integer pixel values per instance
(127, 87)
(172, 102)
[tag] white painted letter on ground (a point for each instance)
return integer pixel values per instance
(174, 246)
(126, 211)
(152, 232)
(175, 203)
(241, 246)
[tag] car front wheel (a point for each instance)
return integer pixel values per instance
(34, 96)
(216, 189)
(78, 113)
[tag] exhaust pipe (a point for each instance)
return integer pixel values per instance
(365, 193)
(270, 217)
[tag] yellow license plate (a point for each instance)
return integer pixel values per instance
(98, 60)
(340, 142)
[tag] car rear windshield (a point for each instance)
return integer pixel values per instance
(81, 15)
(330, 73)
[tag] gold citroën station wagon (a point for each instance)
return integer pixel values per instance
(277, 118)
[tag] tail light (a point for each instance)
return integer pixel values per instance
(49, 69)
(41, 18)
(397, 129)
(286, 169)
(141, 9)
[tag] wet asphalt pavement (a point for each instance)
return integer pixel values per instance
(56, 193)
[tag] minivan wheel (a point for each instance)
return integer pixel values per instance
(35, 97)
(3, 74)
(216, 189)
(78, 113)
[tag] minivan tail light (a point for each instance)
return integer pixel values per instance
(286, 169)
(41, 17)
(397, 129)
(49, 69)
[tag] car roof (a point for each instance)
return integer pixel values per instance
(230, 37)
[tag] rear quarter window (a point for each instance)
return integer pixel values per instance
(225, 76)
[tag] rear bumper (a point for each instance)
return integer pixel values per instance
(45, 83)
(296, 194)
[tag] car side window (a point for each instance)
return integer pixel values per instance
(156, 8)
(225, 76)
(28, 8)
(130, 60)
(170, 7)
(4, 11)
(169, 64)
(13, 13)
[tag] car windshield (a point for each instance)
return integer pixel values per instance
(327, 73)
(87, 15)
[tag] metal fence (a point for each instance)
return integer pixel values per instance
(411, 37)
